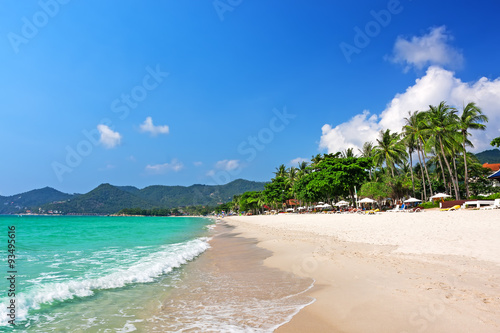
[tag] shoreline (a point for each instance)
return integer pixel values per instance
(431, 272)
(228, 289)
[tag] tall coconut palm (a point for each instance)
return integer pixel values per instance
(302, 169)
(472, 118)
(410, 136)
(292, 176)
(281, 171)
(442, 121)
(389, 150)
(349, 152)
(367, 151)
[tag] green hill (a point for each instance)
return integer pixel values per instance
(194, 195)
(104, 199)
(19, 202)
(109, 199)
(489, 156)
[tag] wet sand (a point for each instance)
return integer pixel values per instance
(427, 272)
(229, 289)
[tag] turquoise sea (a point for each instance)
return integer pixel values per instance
(93, 274)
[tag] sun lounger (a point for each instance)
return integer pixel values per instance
(456, 207)
(494, 206)
(373, 212)
(395, 209)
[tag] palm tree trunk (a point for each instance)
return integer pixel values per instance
(425, 167)
(457, 195)
(411, 171)
(466, 175)
(456, 174)
(423, 176)
(442, 171)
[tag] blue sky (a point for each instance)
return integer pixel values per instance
(184, 92)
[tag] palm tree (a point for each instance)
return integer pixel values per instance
(389, 150)
(292, 176)
(410, 130)
(442, 121)
(281, 171)
(471, 118)
(302, 169)
(349, 152)
(316, 159)
(368, 152)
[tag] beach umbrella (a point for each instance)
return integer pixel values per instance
(366, 200)
(342, 203)
(412, 200)
(327, 205)
(440, 196)
(495, 175)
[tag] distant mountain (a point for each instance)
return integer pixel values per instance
(104, 199)
(19, 202)
(211, 195)
(489, 156)
(109, 199)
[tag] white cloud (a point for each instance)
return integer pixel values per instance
(427, 50)
(435, 86)
(174, 165)
(352, 134)
(147, 126)
(227, 165)
(197, 164)
(109, 138)
(298, 160)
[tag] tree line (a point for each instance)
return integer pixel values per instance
(439, 138)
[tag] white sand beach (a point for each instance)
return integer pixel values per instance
(392, 272)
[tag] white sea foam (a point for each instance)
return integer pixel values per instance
(143, 270)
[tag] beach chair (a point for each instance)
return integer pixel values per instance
(395, 209)
(495, 205)
(456, 207)
(373, 211)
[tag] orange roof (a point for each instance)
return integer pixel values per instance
(492, 167)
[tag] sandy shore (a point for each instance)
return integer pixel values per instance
(393, 272)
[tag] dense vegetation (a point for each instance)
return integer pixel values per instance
(437, 137)
(109, 199)
(489, 156)
(15, 203)
(190, 210)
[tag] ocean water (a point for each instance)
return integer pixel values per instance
(93, 274)
(140, 274)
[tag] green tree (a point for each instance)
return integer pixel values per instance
(250, 201)
(277, 191)
(495, 142)
(333, 176)
(442, 122)
(389, 150)
(472, 118)
(367, 151)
